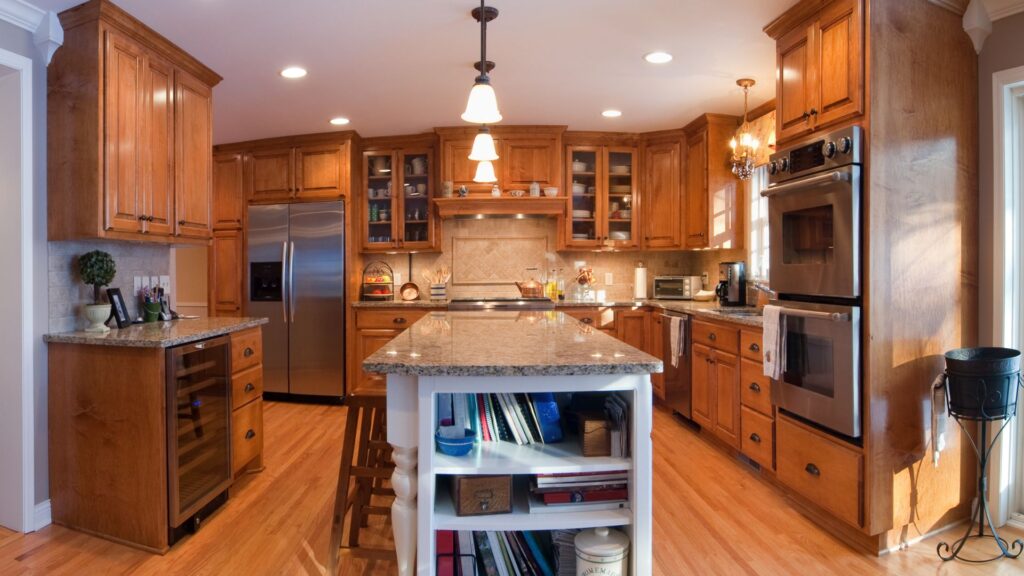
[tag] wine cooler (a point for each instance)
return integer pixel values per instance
(198, 430)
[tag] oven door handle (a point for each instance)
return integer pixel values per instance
(832, 316)
(828, 178)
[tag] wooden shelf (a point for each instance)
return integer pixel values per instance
(511, 458)
(379, 222)
(584, 173)
(505, 205)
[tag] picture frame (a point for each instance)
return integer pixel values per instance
(118, 308)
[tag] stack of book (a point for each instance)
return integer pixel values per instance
(521, 418)
(579, 491)
(563, 543)
(466, 553)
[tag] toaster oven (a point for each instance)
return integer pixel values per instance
(676, 287)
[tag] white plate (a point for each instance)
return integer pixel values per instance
(581, 213)
(619, 235)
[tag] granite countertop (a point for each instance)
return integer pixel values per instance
(507, 344)
(433, 304)
(159, 334)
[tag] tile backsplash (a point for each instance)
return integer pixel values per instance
(487, 256)
(67, 293)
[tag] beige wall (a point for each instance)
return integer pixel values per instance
(1004, 49)
(190, 280)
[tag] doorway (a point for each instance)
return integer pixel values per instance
(17, 441)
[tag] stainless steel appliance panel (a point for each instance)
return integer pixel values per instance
(316, 299)
(814, 226)
(268, 249)
(821, 380)
(677, 378)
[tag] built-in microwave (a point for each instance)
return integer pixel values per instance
(676, 287)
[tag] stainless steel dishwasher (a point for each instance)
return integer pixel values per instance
(677, 374)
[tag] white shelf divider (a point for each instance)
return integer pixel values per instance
(510, 458)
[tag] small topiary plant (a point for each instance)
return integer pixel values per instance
(96, 268)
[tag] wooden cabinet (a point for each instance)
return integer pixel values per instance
(247, 401)
(714, 201)
(655, 347)
(526, 154)
(228, 194)
(601, 317)
(225, 262)
(376, 327)
(603, 191)
(715, 381)
(820, 69)
(272, 175)
(662, 195)
(702, 386)
(320, 172)
(397, 213)
(632, 326)
(296, 169)
(727, 397)
(129, 133)
(529, 160)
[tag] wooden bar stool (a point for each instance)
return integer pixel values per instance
(365, 467)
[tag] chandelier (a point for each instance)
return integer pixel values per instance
(482, 106)
(744, 145)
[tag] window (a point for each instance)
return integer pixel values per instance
(757, 242)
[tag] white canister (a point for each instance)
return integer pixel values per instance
(535, 189)
(639, 281)
(602, 552)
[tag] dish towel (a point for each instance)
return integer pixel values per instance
(939, 412)
(676, 338)
(774, 342)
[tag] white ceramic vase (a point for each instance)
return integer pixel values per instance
(97, 314)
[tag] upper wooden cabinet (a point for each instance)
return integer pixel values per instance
(601, 183)
(661, 193)
(228, 203)
(820, 69)
(526, 154)
(396, 212)
(129, 132)
(714, 201)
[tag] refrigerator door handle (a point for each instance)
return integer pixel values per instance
(284, 282)
(291, 280)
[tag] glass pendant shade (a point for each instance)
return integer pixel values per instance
(482, 107)
(485, 173)
(483, 147)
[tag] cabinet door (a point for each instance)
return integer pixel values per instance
(584, 164)
(796, 79)
(228, 205)
(528, 161)
(123, 123)
(368, 342)
(697, 190)
(621, 222)
(840, 86)
(662, 196)
(158, 155)
(457, 167)
(320, 171)
(655, 347)
(271, 177)
(379, 225)
(727, 398)
(702, 387)
(632, 327)
(225, 278)
(415, 212)
(194, 159)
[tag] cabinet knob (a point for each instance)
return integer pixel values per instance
(754, 347)
(181, 222)
(142, 217)
(587, 320)
(812, 469)
(248, 352)
(250, 434)
(249, 387)
(755, 437)
(755, 387)
(814, 111)
(712, 336)
(399, 320)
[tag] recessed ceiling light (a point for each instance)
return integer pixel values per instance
(658, 57)
(339, 121)
(611, 113)
(293, 72)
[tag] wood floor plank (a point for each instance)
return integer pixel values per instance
(712, 515)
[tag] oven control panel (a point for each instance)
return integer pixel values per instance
(825, 152)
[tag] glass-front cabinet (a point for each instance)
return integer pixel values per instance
(602, 187)
(397, 211)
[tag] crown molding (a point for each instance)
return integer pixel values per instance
(47, 33)
(955, 6)
(1008, 9)
(21, 14)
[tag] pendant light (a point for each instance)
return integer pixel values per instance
(482, 107)
(485, 173)
(483, 146)
(744, 145)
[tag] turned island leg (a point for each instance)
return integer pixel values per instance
(403, 436)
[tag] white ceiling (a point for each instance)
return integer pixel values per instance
(405, 66)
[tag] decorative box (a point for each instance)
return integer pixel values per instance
(481, 495)
(595, 434)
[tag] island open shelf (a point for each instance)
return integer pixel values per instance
(510, 458)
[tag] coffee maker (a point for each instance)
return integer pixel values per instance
(732, 284)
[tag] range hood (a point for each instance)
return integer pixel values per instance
(502, 207)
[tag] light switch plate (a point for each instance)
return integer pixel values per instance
(398, 278)
(154, 281)
(609, 279)
(165, 281)
(136, 285)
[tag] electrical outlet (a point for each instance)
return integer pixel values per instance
(136, 285)
(577, 264)
(704, 279)
(165, 281)
(608, 279)
(154, 281)
(398, 278)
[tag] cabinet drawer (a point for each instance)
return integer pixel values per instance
(755, 387)
(602, 318)
(246, 349)
(716, 336)
(758, 437)
(246, 434)
(819, 469)
(751, 346)
(246, 386)
(388, 319)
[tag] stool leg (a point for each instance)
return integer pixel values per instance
(362, 497)
(341, 495)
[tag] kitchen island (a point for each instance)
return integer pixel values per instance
(508, 352)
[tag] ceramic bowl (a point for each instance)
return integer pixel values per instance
(579, 166)
(581, 213)
(455, 446)
(551, 192)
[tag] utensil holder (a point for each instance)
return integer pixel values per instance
(150, 311)
(438, 291)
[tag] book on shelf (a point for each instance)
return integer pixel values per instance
(489, 553)
(582, 478)
(466, 551)
(564, 545)
(537, 506)
(596, 494)
(507, 417)
(445, 542)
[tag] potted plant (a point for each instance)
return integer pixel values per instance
(97, 268)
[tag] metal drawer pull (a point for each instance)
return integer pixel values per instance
(812, 470)
(248, 352)
(587, 320)
(399, 320)
(250, 434)
(827, 178)
(200, 346)
(249, 387)
(754, 347)
(833, 316)
(755, 387)
(755, 438)
(712, 336)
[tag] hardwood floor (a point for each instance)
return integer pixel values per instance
(711, 516)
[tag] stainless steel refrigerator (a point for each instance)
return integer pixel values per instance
(296, 277)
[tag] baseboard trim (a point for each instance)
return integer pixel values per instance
(904, 545)
(42, 517)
